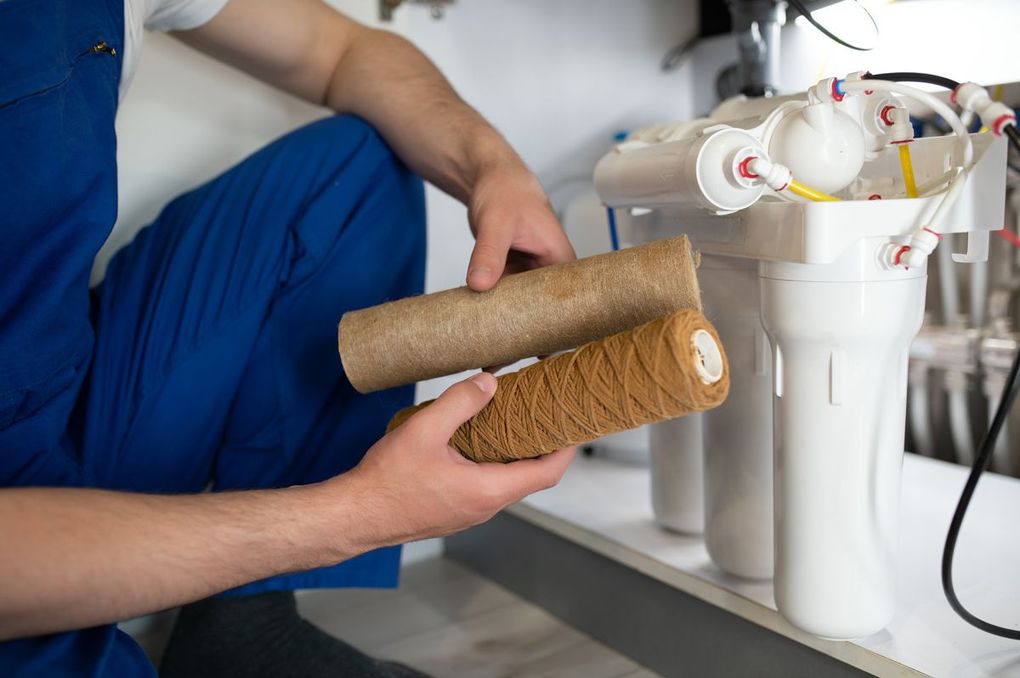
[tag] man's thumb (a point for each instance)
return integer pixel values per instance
(459, 403)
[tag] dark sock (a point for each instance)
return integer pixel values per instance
(262, 635)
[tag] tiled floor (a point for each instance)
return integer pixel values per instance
(447, 621)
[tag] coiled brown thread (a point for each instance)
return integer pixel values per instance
(623, 381)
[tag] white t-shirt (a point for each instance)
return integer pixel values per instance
(159, 15)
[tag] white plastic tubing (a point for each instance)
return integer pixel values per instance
(944, 109)
(933, 102)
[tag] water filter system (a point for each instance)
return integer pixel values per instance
(815, 215)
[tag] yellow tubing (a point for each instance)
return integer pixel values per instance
(908, 171)
(810, 193)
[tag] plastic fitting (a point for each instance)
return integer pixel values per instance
(922, 243)
(829, 89)
(776, 176)
(994, 115)
(897, 119)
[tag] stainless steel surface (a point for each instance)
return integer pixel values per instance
(958, 365)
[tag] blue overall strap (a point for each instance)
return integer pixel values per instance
(60, 71)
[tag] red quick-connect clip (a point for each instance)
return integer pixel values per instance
(837, 90)
(1001, 121)
(744, 168)
(899, 254)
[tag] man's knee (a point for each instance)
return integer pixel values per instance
(358, 159)
(338, 140)
(345, 178)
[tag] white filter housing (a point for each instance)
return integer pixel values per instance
(677, 464)
(738, 433)
(840, 337)
(698, 173)
(839, 321)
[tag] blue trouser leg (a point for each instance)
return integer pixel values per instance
(216, 350)
(215, 357)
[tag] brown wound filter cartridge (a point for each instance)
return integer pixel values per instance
(538, 312)
(663, 369)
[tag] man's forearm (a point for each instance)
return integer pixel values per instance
(72, 558)
(389, 82)
(309, 49)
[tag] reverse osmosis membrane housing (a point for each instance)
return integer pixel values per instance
(800, 468)
(683, 173)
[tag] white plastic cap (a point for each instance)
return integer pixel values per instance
(717, 172)
(709, 361)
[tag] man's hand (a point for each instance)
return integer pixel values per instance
(413, 484)
(86, 557)
(514, 226)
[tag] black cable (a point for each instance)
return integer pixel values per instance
(1014, 136)
(984, 456)
(910, 76)
(806, 13)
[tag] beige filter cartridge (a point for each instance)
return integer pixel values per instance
(664, 369)
(537, 312)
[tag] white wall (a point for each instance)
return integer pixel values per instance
(187, 118)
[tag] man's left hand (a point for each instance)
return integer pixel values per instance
(514, 225)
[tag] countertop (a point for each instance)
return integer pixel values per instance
(605, 506)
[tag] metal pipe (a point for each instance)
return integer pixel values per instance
(757, 24)
(920, 421)
(959, 417)
(996, 355)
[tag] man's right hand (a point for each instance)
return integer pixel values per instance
(84, 557)
(413, 484)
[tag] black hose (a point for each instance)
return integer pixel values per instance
(910, 76)
(984, 456)
(806, 13)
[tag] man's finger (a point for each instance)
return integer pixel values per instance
(488, 258)
(458, 403)
(518, 479)
(556, 247)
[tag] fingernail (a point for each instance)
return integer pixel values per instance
(484, 381)
(476, 272)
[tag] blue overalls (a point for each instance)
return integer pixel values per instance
(208, 355)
